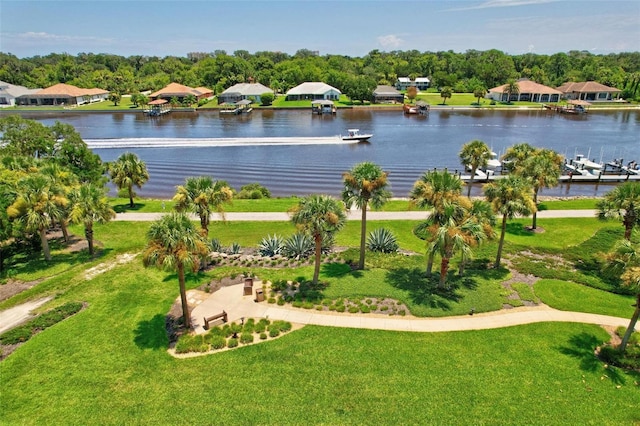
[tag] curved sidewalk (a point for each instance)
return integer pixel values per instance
(352, 215)
(237, 306)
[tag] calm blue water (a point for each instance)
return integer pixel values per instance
(406, 146)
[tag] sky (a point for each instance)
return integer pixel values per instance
(341, 27)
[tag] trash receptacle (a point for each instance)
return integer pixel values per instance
(248, 289)
(259, 295)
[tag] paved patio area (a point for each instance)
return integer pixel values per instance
(231, 300)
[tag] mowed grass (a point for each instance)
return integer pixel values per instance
(108, 364)
(568, 296)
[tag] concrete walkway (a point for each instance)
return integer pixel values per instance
(18, 314)
(351, 215)
(231, 300)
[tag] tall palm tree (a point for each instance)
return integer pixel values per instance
(511, 88)
(63, 181)
(480, 214)
(435, 190)
(474, 155)
(509, 197)
(89, 205)
(202, 195)
(623, 202)
(543, 169)
(174, 244)
(365, 184)
(37, 204)
(128, 170)
(513, 160)
(321, 216)
(624, 262)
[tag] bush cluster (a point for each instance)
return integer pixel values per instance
(231, 335)
(39, 323)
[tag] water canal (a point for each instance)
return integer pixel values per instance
(406, 146)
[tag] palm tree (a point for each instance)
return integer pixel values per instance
(513, 160)
(509, 197)
(175, 245)
(480, 214)
(478, 93)
(36, 205)
(202, 195)
(511, 88)
(435, 190)
(89, 205)
(623, 202)
(624, 262)
(543, 169)
(365, 183)
(63, 181)
(320, 216)
(445, 93)
(129, 170)
(474, 155)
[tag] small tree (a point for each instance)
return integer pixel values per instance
(412, 92)
(622, 203)
(479, 92)
(128, 170)
(267, 99)
(445, 93)
(115, 97)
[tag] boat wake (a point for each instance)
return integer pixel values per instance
(211, 142)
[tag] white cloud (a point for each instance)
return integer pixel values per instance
(390, 40)
(502, 3)
(32, 36)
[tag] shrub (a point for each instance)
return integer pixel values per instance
(263, 336)
(274, 332)
(246, 338)
(271, 245)
(297, 303)
(218, 342)
(271, 300)
(249, 327)
(232, 343)
(191, 343)
(215, 245)
(382, 240)
(267, 98)
(281, 301)
(307, 305)
(365, 309)
(253, 191)
(340, 308)
(353, 309)
(298, 246)
(319, 308)
(373, 307)
(332, 307)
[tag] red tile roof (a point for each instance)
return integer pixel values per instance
(585, 87)
(175, 89)
(67, 90)
(528, 86)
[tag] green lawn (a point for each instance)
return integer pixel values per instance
(569, 204)
(108, 364)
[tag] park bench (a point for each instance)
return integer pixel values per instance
(212, 318)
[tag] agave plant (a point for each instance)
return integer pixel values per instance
(271, 246)
(215, 245)
(298, 246)
(234, 249)
(382, 240)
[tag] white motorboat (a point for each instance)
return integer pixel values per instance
(493, 163)
(355, 135)
(585, 163)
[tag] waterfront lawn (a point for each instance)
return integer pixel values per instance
(569, 204)
(467, 99)
(569, 296)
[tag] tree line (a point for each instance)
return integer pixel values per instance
(218, 70)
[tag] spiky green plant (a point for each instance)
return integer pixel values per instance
(382, 240)
(271, 245)
(298, 246)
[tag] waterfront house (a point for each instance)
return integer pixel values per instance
(9, 92)
(528, 91)
(420, 83)
(243, 91)
(180, 91)
(387, 94)
(313, 91)
(590, 91)
(63, 94)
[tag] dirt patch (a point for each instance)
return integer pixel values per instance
(13, 287)
(536, 230)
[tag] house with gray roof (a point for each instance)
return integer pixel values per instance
(9, 92)
(243, 91)
(313, 91)
(387, 94)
